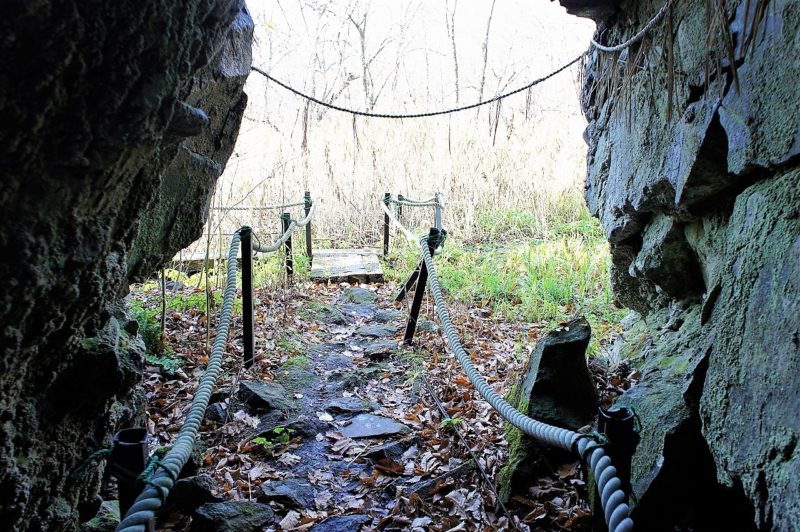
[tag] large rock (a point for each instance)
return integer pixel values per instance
(239, 516)
(96, 104)
(289, 491)
(259, 395)
(698, 195)
(557, 389)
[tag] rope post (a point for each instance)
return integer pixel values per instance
(386, 198)
(422, 282)
(400, 199)
(409, 283)
(130, 453)
(437, 213)
(618, 425)
(286, 220)
(309, 251)
(246, 235)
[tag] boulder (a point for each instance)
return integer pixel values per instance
(342, 523)
(556, 388)
(260, 396)
(106, 520)
(191, 492)
(290, 491)
(238, 516)
(359, 296)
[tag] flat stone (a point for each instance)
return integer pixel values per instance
(393, 450)
(377, 331)
(342, 523)
(348, 405)
(380, 348)
(427, 326)
(387, 315)
(369, 426)
(324, 313)
(427, 487)
(359, 310)
(192, 492)
(359, 296)
(290, 491)
(338, 361)
(350, 265)
(238, 516)
(264, 395)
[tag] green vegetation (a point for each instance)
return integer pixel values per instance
(561, 273)
(450, 423)
(278, 438)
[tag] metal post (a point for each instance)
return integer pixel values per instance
(246, 235)
(309, 251)
(619, 427)
(399, 208)
(408, 284)
(130, 453)
(286, 220)
(437, 213)
(386, 198)
(422, 282)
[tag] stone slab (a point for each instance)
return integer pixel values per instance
(346, 265)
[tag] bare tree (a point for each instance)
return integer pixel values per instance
(486, 51)
(450, 22)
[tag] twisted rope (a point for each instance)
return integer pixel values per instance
(155, 493)
(411, 237)
(608, 484)
(639, 35)
(287, 234)
(417, 115)
(260, 207)
(403, 200)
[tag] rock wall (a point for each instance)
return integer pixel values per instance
(693, 170)
(116, 116)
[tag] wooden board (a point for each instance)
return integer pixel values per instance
(350, 265)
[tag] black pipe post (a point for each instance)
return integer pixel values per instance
(130, 453)
(286, 220)
(437, 212)
(386, 198)
(400, 208)
(422, 282)
(309, 251)
(618, 425)
(246, 236)
(408, 284)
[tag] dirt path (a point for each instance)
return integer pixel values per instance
(332, 429)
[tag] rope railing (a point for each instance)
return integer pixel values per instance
(430, 202)
(609, 485)
(406, 232)
(639, 34)
(152, 498)
(425, 114)
(293, 225)
(260, 207)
